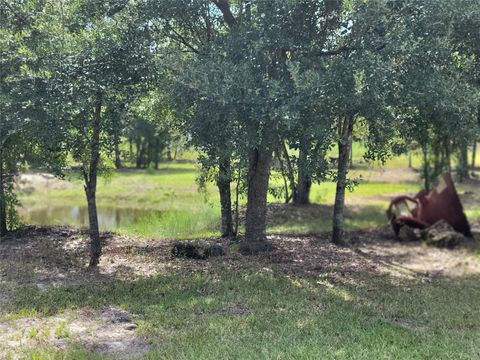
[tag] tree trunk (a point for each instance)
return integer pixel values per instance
(223, 183)
(448, 156)
(350, 161)
(304, 180)
(284, 176)
(259, 161)
(290, 172)
(474, 155)
(130, 150)
(138, 155)
(3, 202)
(91, 186)
(116, 139)
(118, 160)
(346, 132)
(157, 154)
(426, 172)
(410, 162)
(462, 167)
(95, 244)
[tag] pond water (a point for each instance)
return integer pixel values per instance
(109, 218)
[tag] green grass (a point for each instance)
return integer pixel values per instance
(172, 191)
(182, 211)
(185, 212)
(176, 223)
(256, 311)
(187, 317)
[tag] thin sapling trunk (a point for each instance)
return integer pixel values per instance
(223, 182)
(90, 176)
(345, 131)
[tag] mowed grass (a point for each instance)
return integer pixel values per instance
(261, 314)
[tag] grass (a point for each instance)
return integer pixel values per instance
(203, 221)
(194, 317)
(179, 210)
(172, 191)
(259, 309)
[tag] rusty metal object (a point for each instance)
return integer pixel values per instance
(426, 208)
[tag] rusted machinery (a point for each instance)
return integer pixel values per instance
(427, 208)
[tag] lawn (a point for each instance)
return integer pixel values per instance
(305, 299)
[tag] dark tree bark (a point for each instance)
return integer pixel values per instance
(237, 204)
(350, 160)
(116, 139)
(118, 160)
(448, 156)
(259, 161)
(130, 150)
(138, 156)
(284, 176)
(462, 167)
(304, 180)
(90, 176)
(156, 155)
(3, 202)
(141, 149)
(345, 131)
(224, 7)
(223, 182)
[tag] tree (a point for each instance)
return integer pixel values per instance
(353, 82)
(27, 133)
(102, 50)
(437, 100)
(243, 68)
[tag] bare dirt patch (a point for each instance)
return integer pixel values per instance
(30, 182)
(390, 174)
(107, 331)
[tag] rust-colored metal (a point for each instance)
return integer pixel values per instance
(426, 208)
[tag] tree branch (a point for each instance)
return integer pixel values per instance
(179, 38)
(224, 7)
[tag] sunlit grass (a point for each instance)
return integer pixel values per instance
(187, 316)
(185, 211)
(200, 222)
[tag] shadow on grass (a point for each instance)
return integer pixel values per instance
(259, 314)
(304, 299)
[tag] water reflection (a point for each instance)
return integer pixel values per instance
(109, 218)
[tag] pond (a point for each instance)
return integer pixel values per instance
(109, 218)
